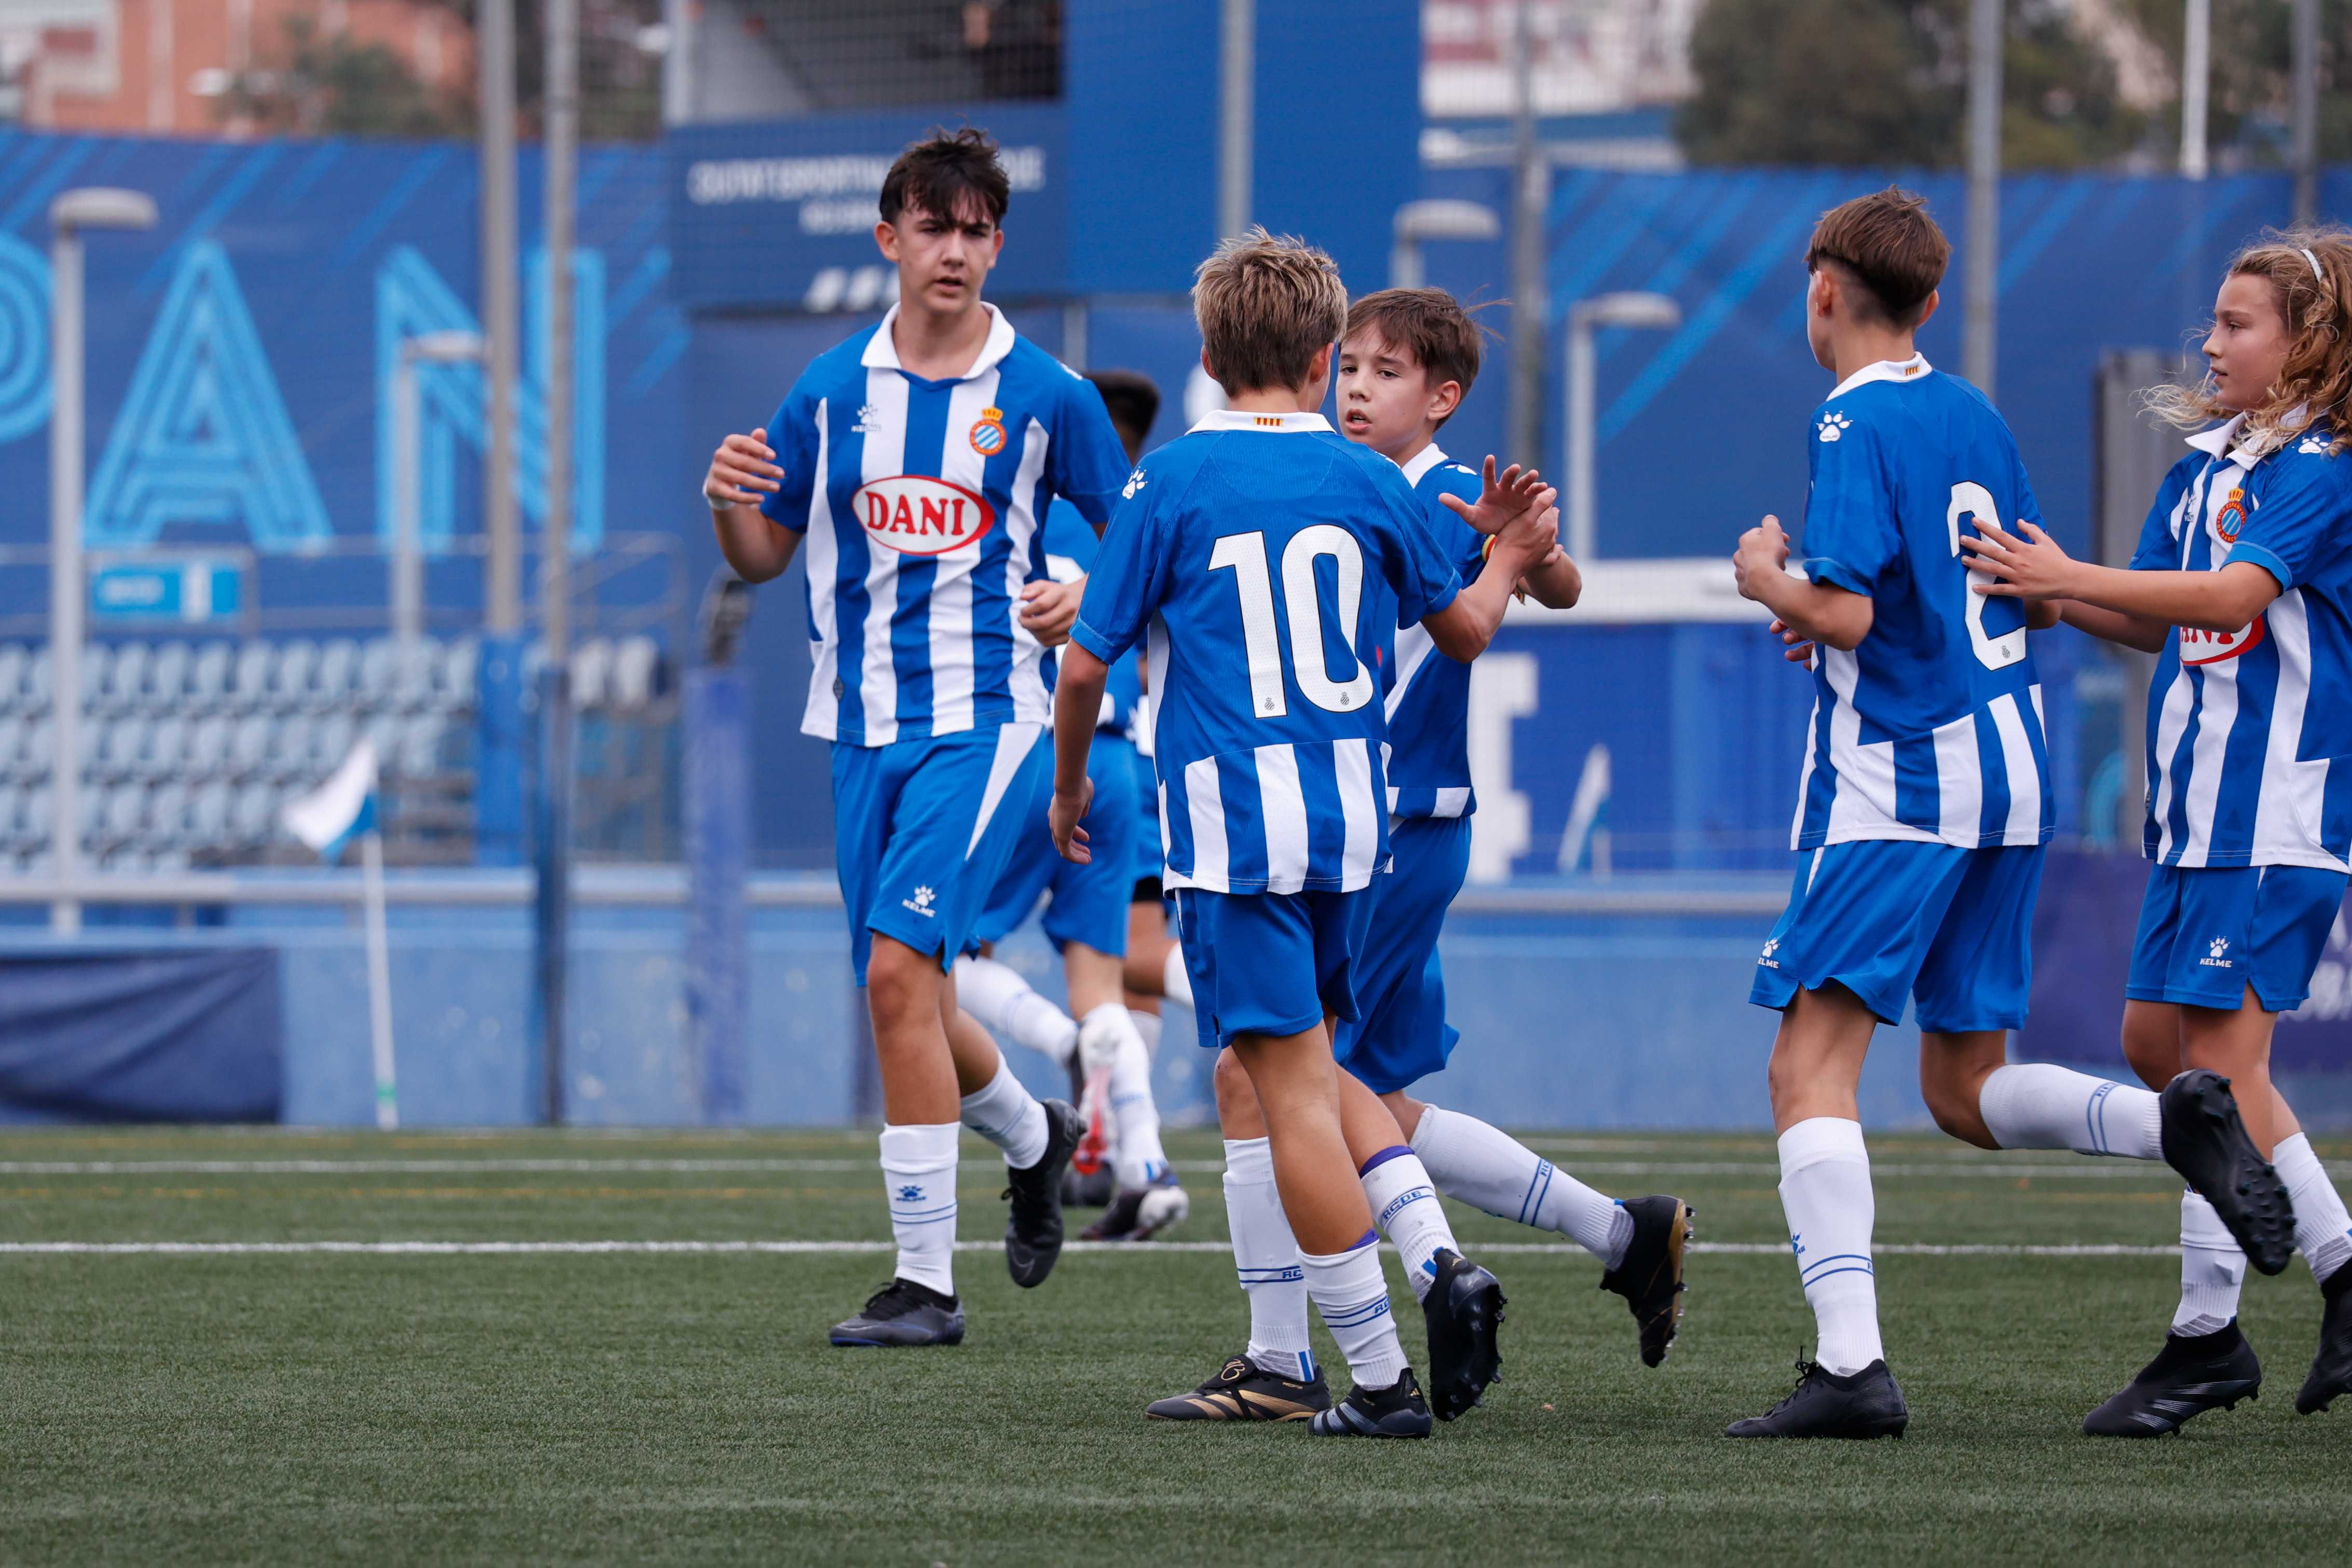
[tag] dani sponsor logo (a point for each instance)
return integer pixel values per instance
(919, 514)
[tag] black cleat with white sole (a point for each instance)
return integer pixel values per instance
(1032, 1235)
(1463, 1310)
(2331, 1369)
(2205, 1140)
(1243, 1391)
(2191, 1375)
(1650, 1275)
(1864, 1404)
(903, 1314)
(1396, 1411)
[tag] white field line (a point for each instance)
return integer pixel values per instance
(2088, 1169)
(527, 1248)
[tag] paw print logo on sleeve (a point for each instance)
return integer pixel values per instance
(1135, 481)
(1835, 426)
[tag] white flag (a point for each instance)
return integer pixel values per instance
(328, 817)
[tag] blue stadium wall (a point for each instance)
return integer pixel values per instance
(239, 356)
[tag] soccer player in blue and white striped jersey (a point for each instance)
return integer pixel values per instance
(1271, 560)
(917, 460)
(2243, 586)
(1925, 800)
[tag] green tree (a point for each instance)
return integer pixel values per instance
(2250, 99)
(1878, 82)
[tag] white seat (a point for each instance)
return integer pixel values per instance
(294, 751)
(636, 665)
(97, 664)
(167, 814)
(413, 680)
(336, 733)
(255, 662)
(460, 672)
(592, 669)
(125, 812)
(207, 746)
(121, 746)
(167, 747)
(126, 676)
(208, 818)
(250, 744)
(38, 677)
(253, 819)
(167, 677)
(12, 744)
(208, 676)
(338, 672)
(292, 684)
(379, 668)
(420, 748)
(40, 755)
(12, 663)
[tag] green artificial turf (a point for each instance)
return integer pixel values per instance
(684, 1407)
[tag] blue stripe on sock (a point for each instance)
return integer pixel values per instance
(2094, 1117)
(1369, 1239)
(1394, 1151)
(1852, 1268)
(1851, 1258)
(1539, 1185)
(1352, 1317)
(1307, 1366)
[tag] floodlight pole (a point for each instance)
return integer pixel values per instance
(90, 207)
(502, 592)
(2304, 59)
(1530, 195)
(1585, 316)
(555, 847)
(1986, 31)
(2196, 87)
(407, 552)
(1237, 114)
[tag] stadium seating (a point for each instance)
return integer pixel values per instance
(189, 749)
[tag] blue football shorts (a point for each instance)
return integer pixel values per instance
(1270, 963)
(1950, 927)
(1150, 851)
(1087, 904)
(1400, 1033)
(2206, 933)
(922, 830)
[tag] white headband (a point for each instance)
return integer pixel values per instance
(2318, 277)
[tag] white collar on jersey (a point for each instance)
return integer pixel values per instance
(2223, 438)
(1238, 419)
(882, 354)
(1909, 370)
(1421, 462)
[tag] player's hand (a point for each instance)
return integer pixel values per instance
(742, 472)
(1502, 498)
(1048, 610)
(1763, 554)
(1796, 647)
(1062, 817)
(1537, 534)
(2028, 564)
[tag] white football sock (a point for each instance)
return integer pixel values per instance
(2323, 1231)
(1406, 1210)
(2213, 1270)
(918, 1177)
(1266, 1256)
(2037, 1106)
(1175, 980)
(1826, 1190)
(1109, 1032)
(996, 994)
(1352, 1294)
(1147, 1027)
(1009, 1116)
(1487, 1168)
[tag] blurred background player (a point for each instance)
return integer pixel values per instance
(1922, 851)
(1269, 750)
(876, 456)
(2242, 585)
(1085, 917)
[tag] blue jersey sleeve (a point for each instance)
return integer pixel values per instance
(2159, 549)
(1130, 573)
(791, 435)
(1464, 544)
(1850, 534)
(1086, 463)
(1418, 572)
(2295, 524)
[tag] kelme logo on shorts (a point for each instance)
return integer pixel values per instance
(919, 514)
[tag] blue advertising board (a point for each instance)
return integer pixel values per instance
(193, 591)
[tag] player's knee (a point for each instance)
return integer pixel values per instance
(900, 984)
(1954, 1105)
(1238, 1111)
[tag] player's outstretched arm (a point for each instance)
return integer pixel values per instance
(1554, 582)
(2138, 605)
(1078, 708)
(1467, 624)
(1803, 612)
(743, 471)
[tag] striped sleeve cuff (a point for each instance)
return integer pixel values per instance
(2256, 555)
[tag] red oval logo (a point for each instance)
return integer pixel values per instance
(916, 514)
(2200, 647)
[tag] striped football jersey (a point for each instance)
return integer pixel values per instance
(2250, 731)
(1930, 729)
(1428, 704)
(923, 502)
(1270, 559)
